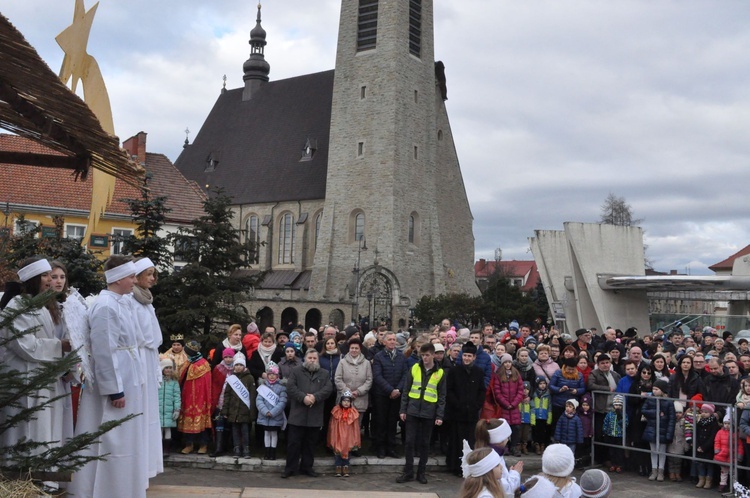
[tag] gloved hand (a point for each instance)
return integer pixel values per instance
(176, 415)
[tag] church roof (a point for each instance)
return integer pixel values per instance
(256, 145)
(728, 264)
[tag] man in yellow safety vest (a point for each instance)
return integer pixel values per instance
(422, 408)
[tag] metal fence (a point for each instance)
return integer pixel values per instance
(690, 407)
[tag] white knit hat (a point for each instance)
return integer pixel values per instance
(538, 487)
(573, 402)
(595, 483)
(558, 460)
(239, 359)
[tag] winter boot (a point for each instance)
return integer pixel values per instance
(709, 483)
(165, 444)
(187, 449)
(701, 482)
(203, 449)
(237, 452)
(537, 448)
(273, 453)
(246, 452)
(345, 470)
(660, 475)
(338, 470)
(723, 488)
(219, 449)
(652, 477)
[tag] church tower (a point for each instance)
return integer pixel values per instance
(396, 223)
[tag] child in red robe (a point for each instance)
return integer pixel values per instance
(343, 433)
(195, 419)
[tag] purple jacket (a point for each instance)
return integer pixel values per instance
(508, 396)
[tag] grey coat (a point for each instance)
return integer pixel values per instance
(354, 375)
(300, 383)
(598, 382)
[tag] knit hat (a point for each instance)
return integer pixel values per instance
(595, 483)
(678, 408)
(538, 487)
(239, 359)
(506, 357)
(527, 385)
(439, 348)
(542, 378)
(252, 328)
(350, 331)
(708, 407)
(586, 398)
(573, 402)
(513, 326)
(272, 368)
(558, 460)
(663, 385)
(727, 417)
(618, 399)
(228, 352)
(290, 345)
(166, 362)
(294, 335)
(570, 362)
(531, 340)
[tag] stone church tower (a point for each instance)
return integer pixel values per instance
(393, 184)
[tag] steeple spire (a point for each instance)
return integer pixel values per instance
(256, 68)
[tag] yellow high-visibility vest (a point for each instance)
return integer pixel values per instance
(430, 391)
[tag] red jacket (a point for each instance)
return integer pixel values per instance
(508, 395)
(250, 343)
(721, 447)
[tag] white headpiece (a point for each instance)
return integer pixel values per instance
(142, 265)
(119, 272)
(480, 468)
(32, 270)
(500, 433)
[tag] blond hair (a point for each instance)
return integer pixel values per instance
(472, 486)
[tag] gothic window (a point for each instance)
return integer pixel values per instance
(359, 226)
(252, 227)
(367, 25)
(414, 228)
(411, 229)
(286, 239)
(318, 219)
(415, 27)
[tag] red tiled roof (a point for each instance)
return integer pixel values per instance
(55, 188)
(728, 263)
(512, 269)
(50, 187)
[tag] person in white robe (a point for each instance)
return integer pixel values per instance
(114, 391)
(29, 352)
(149, 341)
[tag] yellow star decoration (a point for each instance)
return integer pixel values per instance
(73, 41)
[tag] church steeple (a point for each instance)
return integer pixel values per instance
(256, 68)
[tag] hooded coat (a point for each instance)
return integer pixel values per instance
(667, 419)
(354, 375)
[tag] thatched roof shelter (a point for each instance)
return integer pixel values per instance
(34, 103)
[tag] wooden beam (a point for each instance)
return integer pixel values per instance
(46, 160)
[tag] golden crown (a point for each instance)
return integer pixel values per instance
(176, 337)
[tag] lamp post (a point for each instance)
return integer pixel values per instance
(361, 246)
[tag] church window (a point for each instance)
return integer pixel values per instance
(286, 239)
(416, 152)
(411, 229)
(318, 219)
(212, 162)
(363, 92)
(414, 228)
(308, 151)
(440, 135)
(360, 149)
(359, 226)
(252, 227)
(416, 96)
(367, 25)
(415, 27)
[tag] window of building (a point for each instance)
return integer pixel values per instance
(119, 236)
(367, 25)
(363, 92)
(416, 96)
(24, 226)
(76, 232)
(413, 235)
(318, 219)
(415, 27)
(185, 249)
(212, 162)
(440, 135)
(411, 229)
(308, 151)
(286, 239)
(360, 149)
(359, 226)
(252, 227)
(416, 152)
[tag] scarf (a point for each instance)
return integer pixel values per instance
(236, 347)
(495, 360)
(265, 353)
(142, 295)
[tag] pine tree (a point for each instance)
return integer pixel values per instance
(149, 215)
(207, 294)
(35, 457)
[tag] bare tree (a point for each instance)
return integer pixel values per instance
(616, 211)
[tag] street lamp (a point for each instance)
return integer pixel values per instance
(361, 246)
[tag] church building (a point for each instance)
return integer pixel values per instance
(348, 179)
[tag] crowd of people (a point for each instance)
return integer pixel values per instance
(512, 389)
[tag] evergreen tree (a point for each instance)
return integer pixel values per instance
(504, 302)
(207, 294)
(149, 215)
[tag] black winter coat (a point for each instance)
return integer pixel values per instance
(667, 419)
(465, 394)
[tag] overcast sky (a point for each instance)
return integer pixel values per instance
(553, 104)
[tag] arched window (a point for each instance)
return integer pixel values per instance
(411, 229)
(252, 227)
(286, 239)
(414, 229)
(318, 219)
(359, 226)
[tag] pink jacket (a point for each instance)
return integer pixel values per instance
(509, 394)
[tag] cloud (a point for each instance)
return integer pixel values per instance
(553, 104)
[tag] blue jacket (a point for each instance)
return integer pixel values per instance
(330, 363)
(666, 421)
(569, 430)
(560, 397)
(170, 401)
(388, 374)
(483, 361)
(277, 412)
(540, 407)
